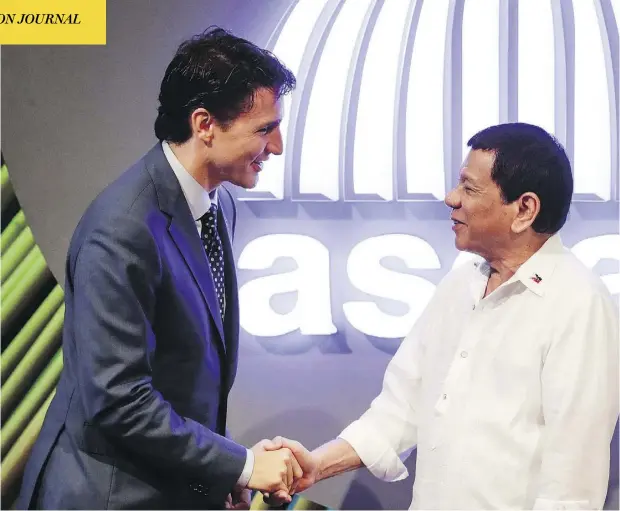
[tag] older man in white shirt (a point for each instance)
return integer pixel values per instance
(508, 383)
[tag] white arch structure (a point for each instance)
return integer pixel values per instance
(386, 100)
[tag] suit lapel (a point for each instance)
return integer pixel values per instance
(231, 326)
(188, 242)
(183, 231)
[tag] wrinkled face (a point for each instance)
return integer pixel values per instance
(238, 151)
(482, 222)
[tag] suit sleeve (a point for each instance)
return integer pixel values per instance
(115, 279)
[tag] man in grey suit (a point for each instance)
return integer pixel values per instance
(150, 338)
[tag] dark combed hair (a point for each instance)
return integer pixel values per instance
(528, 159)
(220, 72)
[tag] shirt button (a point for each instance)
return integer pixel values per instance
(445, 396)
(464, 354)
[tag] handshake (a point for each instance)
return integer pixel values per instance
(281, 468)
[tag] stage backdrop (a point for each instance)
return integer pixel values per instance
(341, 245)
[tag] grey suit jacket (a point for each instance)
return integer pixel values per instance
(139, 416)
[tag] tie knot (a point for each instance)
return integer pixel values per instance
(210, 216)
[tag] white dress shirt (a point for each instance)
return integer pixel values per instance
(199, 201)
(510, 399)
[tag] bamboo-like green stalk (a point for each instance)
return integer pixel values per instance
(21, 342)
(4, 176)
(7, 188)
(14, 462)
(16, 253)
(27, 282)
(41, 349)
(30, 403)
(258, 502)
(12, 231)
(299, 502)
(15, 281)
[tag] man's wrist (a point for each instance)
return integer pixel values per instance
(320, 463)
(248, 469)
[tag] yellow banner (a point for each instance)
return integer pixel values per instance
(52, 21)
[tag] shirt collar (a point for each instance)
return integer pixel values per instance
(198, 199)
(534, 273)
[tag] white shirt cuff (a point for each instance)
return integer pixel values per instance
(376, 454)
(248, 468)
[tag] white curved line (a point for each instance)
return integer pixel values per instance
(592, 161)
(424, 132)
(374, 129)
(536, 64)
(480, 67)
(289, 48)
(319, 171)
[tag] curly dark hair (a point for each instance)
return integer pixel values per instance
(220, 72)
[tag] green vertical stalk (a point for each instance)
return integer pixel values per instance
(16, 253)
(24, 339)
(31, 403)
(6, 191)
(42, 349)
(258, 502)
(14, 462)
(12, 231)
(4, 176)
(27, 281)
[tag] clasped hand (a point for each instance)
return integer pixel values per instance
(281, 468)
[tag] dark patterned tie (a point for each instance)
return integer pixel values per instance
(215, 254)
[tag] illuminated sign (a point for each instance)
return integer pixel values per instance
(386, 100)
(375, 134)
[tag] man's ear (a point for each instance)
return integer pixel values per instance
(528, 209)
(202, 124)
